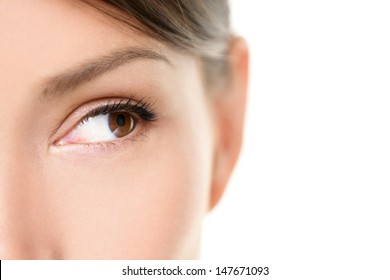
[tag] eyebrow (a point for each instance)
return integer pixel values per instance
(92, 69)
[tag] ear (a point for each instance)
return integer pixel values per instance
(229, 108)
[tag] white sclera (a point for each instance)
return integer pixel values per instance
(94, 129)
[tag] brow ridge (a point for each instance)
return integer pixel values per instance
(92, 69)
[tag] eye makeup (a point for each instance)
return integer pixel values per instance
(107, 121)
(141, 108)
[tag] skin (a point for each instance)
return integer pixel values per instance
(142, 196)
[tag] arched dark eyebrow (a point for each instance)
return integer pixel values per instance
(92, 69)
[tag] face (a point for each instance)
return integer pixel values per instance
(107, 145)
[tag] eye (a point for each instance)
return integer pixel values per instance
(108, 122)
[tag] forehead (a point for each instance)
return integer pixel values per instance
(52, 34)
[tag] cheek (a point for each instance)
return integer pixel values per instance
(144, 202)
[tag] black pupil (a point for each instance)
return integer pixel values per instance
(120, 120)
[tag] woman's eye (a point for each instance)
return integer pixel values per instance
(101, 128)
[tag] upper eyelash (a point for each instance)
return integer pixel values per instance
(142, 108)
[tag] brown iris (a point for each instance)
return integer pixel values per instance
(121, 123)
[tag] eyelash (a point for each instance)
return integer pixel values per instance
(142, 108)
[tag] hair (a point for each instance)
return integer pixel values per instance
(200, 27)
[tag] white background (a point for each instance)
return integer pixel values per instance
(310, 195)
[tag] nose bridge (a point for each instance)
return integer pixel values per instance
(23, 215)
(26, 222)
(24, 194)
(13, 209)
(14, 203)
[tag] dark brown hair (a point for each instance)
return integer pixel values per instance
(200, 27)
